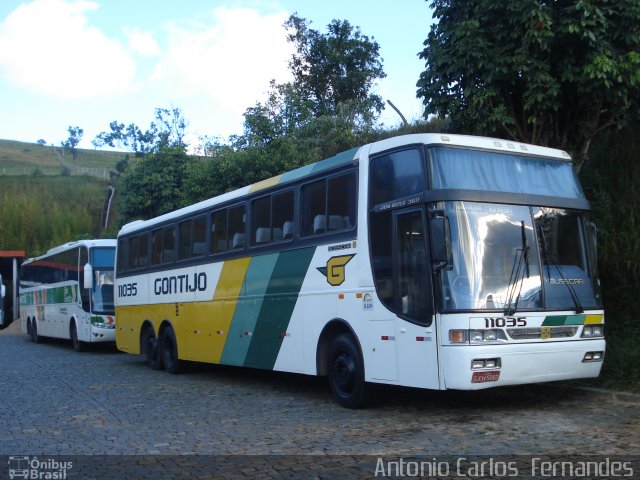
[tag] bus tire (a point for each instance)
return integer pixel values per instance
(346, 372)
(150, 349)
(78, 346)
(35, 338)
(169, 351)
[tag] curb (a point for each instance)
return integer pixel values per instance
(625, 397)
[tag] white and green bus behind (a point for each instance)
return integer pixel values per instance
(68, 293)
(430, 261)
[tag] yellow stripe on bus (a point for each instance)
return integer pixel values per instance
(594, 319)
(269, 182)
(207, 323)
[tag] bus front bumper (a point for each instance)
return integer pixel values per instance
(516, 364)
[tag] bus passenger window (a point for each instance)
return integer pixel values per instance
(236, 227)
(341, 202)
(329, 205)
(314, 218)
(138, 250)
(163, 243)
(261, 219)
(282, 216)
(219, 231)
(193, 235)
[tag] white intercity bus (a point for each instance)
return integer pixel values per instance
(2, 295)
(68, 293)
(431, 261)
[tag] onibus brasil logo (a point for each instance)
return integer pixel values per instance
(38, 469)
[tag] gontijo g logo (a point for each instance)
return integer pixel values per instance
(335, 269)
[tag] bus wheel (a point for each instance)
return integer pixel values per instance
(346, 372)
(78, 346)
(150, 349)
(169, 351)
(28, 326)
(35, 338)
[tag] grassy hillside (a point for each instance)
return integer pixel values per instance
(21, 158)
(37, 213)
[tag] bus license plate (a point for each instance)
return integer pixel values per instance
(482, 377)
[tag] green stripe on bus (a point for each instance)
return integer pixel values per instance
(555, 320)
(342, 158)
(247, 309)
(277, 307)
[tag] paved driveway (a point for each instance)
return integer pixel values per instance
(55, 401)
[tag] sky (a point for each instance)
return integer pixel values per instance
(88, 62)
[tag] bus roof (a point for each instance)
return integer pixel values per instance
(351, 157)
(483, 143)
(104, 242)
(341, 159)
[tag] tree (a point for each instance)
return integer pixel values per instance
(284, 111)
(333, 77)
(334, 68)
(70, 144)
(168, 130)
(550, 72)
(153, 185)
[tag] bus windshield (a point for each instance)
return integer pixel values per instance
(102, 260)
(502, 172)
(514, 257)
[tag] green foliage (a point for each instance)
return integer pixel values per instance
(41, 212)
(70, 144)
(168, 130)
(153, 184)
(334, 68)
(612, 182)
(546, 72)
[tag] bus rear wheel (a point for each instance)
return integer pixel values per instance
(169, 351)
(78, 346)
(150, 349)
(346, 372)
(35, 338)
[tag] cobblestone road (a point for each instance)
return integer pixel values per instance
(55, 401)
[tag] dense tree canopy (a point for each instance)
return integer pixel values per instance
(336, 67)
(552, 72)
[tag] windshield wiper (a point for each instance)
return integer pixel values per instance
(519, 271)
(547, 262)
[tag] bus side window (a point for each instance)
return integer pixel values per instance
(163, 241)
(193, 239)
(314, 219)
(138, 251)
(282, 216)
(329, 205)
(341, 202)
(219, 231)
(236, 227)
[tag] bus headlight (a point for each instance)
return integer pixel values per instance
(592, 331)
(476, 336)
(487, 336)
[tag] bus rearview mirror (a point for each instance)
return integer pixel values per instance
(88, 276)
(440, 241)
